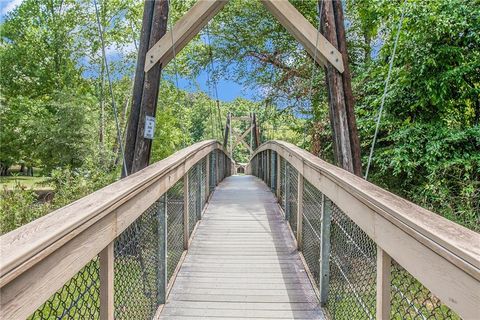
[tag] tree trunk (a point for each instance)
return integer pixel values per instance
(150, 89)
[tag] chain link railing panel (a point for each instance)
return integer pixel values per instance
(352, 290)
(136, 265)
(311, 228)
(79, 298)
(282, 183)
(193, 197)
(175, 227)
(203, 182)
(273, 171)
(213, 170)
(411, 300)
(292, 197)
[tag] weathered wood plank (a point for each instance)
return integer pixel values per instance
(242, 261)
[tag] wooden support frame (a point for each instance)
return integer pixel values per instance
(303, 31)
(203, 11)
(183, 31)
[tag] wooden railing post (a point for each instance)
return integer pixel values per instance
(185, 211)
(325, 250)
(106, 258)
(299, 212)
(162, 250)
(384, 265)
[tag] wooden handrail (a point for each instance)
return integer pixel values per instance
(38, 258)
(442, 255)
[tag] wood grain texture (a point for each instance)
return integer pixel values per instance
(442, 255)
(242, 262)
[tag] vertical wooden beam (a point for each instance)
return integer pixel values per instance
(384, 265)
(347, 89)
(106, 258)
(299, 27)
(300, 212)
(185, 211)
(342, 116)
(338, 114)
(133, 120)
(151, 85)
(162, 250)
(324, 281)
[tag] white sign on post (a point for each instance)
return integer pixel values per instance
(149, 127)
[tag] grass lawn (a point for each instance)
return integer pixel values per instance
(37, 183)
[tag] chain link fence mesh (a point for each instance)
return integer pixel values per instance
(283, 165)
(175, 227)
(193, 197)
(352, 289)
(79, 298)
(203, 183)
(213, 171)
(273, 171)
(411, 300)
(311, 228)
(135, 265)
(136, 255)
(291, 197)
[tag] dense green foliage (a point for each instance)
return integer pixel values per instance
(56, 112)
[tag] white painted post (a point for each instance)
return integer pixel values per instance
(384, 265)
(325, 250)
(106, 258)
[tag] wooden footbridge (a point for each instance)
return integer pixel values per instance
(296, 238)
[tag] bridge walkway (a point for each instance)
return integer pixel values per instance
(242, 262)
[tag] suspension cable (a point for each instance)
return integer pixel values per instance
(182, 125)
(390, 67)
(107, 70)
(314, 65)
(214, 80)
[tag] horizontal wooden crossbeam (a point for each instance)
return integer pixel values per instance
(182, 32)
(303, 31)
(203, 11)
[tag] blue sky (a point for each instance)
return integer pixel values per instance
(227, 90)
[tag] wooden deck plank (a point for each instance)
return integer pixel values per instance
(242, 262)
